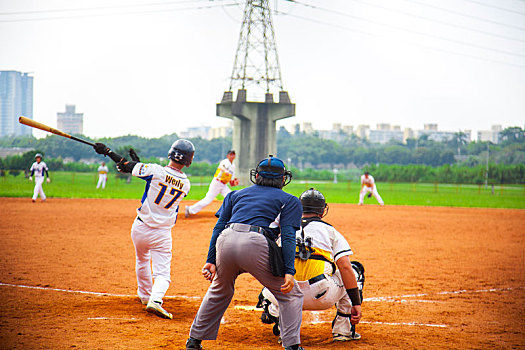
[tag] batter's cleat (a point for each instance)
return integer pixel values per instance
(193, 344)
(155, 308)
(294, 347)
(33, 200)
(186, 212)
(340, 337)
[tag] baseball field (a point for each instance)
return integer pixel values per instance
(436, 278)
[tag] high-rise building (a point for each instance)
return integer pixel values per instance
(16, 99)
(70, 121)
(491, 135)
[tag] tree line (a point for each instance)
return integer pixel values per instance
(300, 151)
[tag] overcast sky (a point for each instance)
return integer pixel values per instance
(157, 67)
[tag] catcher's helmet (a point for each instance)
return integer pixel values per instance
(182, 152)
(272, 168)
(38, 155)
(313, 201)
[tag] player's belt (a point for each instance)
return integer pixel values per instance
(316, 279)
(245, 228)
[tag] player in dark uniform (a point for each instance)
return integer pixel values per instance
(238, 245)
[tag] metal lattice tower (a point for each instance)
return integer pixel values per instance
(256, 67)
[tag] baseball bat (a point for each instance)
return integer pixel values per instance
(35, 124)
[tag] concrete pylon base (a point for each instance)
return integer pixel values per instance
(254, 128)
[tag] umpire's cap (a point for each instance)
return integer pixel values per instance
(182, 152)
(271, 167)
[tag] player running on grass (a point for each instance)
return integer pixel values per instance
(151, 231)
(219, 184)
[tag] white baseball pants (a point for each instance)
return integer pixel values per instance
(38, 188)
(153, 260)
(374, 192)
(216, 188)
(322, 295)
(102, 180)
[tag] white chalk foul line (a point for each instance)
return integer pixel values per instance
(93, 293)
(114, 318)
(418, 295)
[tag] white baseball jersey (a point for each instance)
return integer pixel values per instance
(225, 171)
(327, 242)
(102, 170)
(367, 182)
(165, 188)
(39, 169)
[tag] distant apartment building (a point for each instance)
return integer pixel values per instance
(385, 133)
(362, 131)
(222, 131)
(491, 135)
(440, 136)
(207, 132)
(16, 99)
(70, 121)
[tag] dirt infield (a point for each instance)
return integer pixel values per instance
(435, 278)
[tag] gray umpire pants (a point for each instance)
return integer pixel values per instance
(239, 252)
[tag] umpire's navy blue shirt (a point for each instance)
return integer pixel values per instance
(260, 206)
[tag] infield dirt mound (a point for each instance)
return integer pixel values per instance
(436, 278)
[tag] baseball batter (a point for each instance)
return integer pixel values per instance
(166, 186)
(368, 185)
(224, 174)
(102, 175)
(38, 169)
(324, 272)
(239, 244)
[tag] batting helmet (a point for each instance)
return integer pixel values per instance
(182, 152)
(313, 201)
(271, 168)
(38, 155)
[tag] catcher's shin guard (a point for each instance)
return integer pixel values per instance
(266, 317)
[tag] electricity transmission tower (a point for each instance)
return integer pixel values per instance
(255, 72)
(256, 64)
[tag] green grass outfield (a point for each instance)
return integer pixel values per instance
(82, 185)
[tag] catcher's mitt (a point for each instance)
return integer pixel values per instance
(234, 182)
(370, 195)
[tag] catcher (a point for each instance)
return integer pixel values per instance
(219, 184)
(324, 272)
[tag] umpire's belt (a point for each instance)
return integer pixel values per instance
(245, 228)
(316, 279)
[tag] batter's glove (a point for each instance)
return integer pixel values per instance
(125, 166)
(234, 182)
(370, 195)
(101, 148)
(133, 155)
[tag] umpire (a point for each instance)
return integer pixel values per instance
(239, 244)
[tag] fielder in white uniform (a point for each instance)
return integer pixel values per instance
(368, 185)
(324, 272)
(102, 175)
(224, 174)
(166, 186)
(38, 169)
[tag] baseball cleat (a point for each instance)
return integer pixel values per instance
(186, 212)
(193, 344)
(294, 347)
(340, 337)
(143, 301)
(155, 307)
